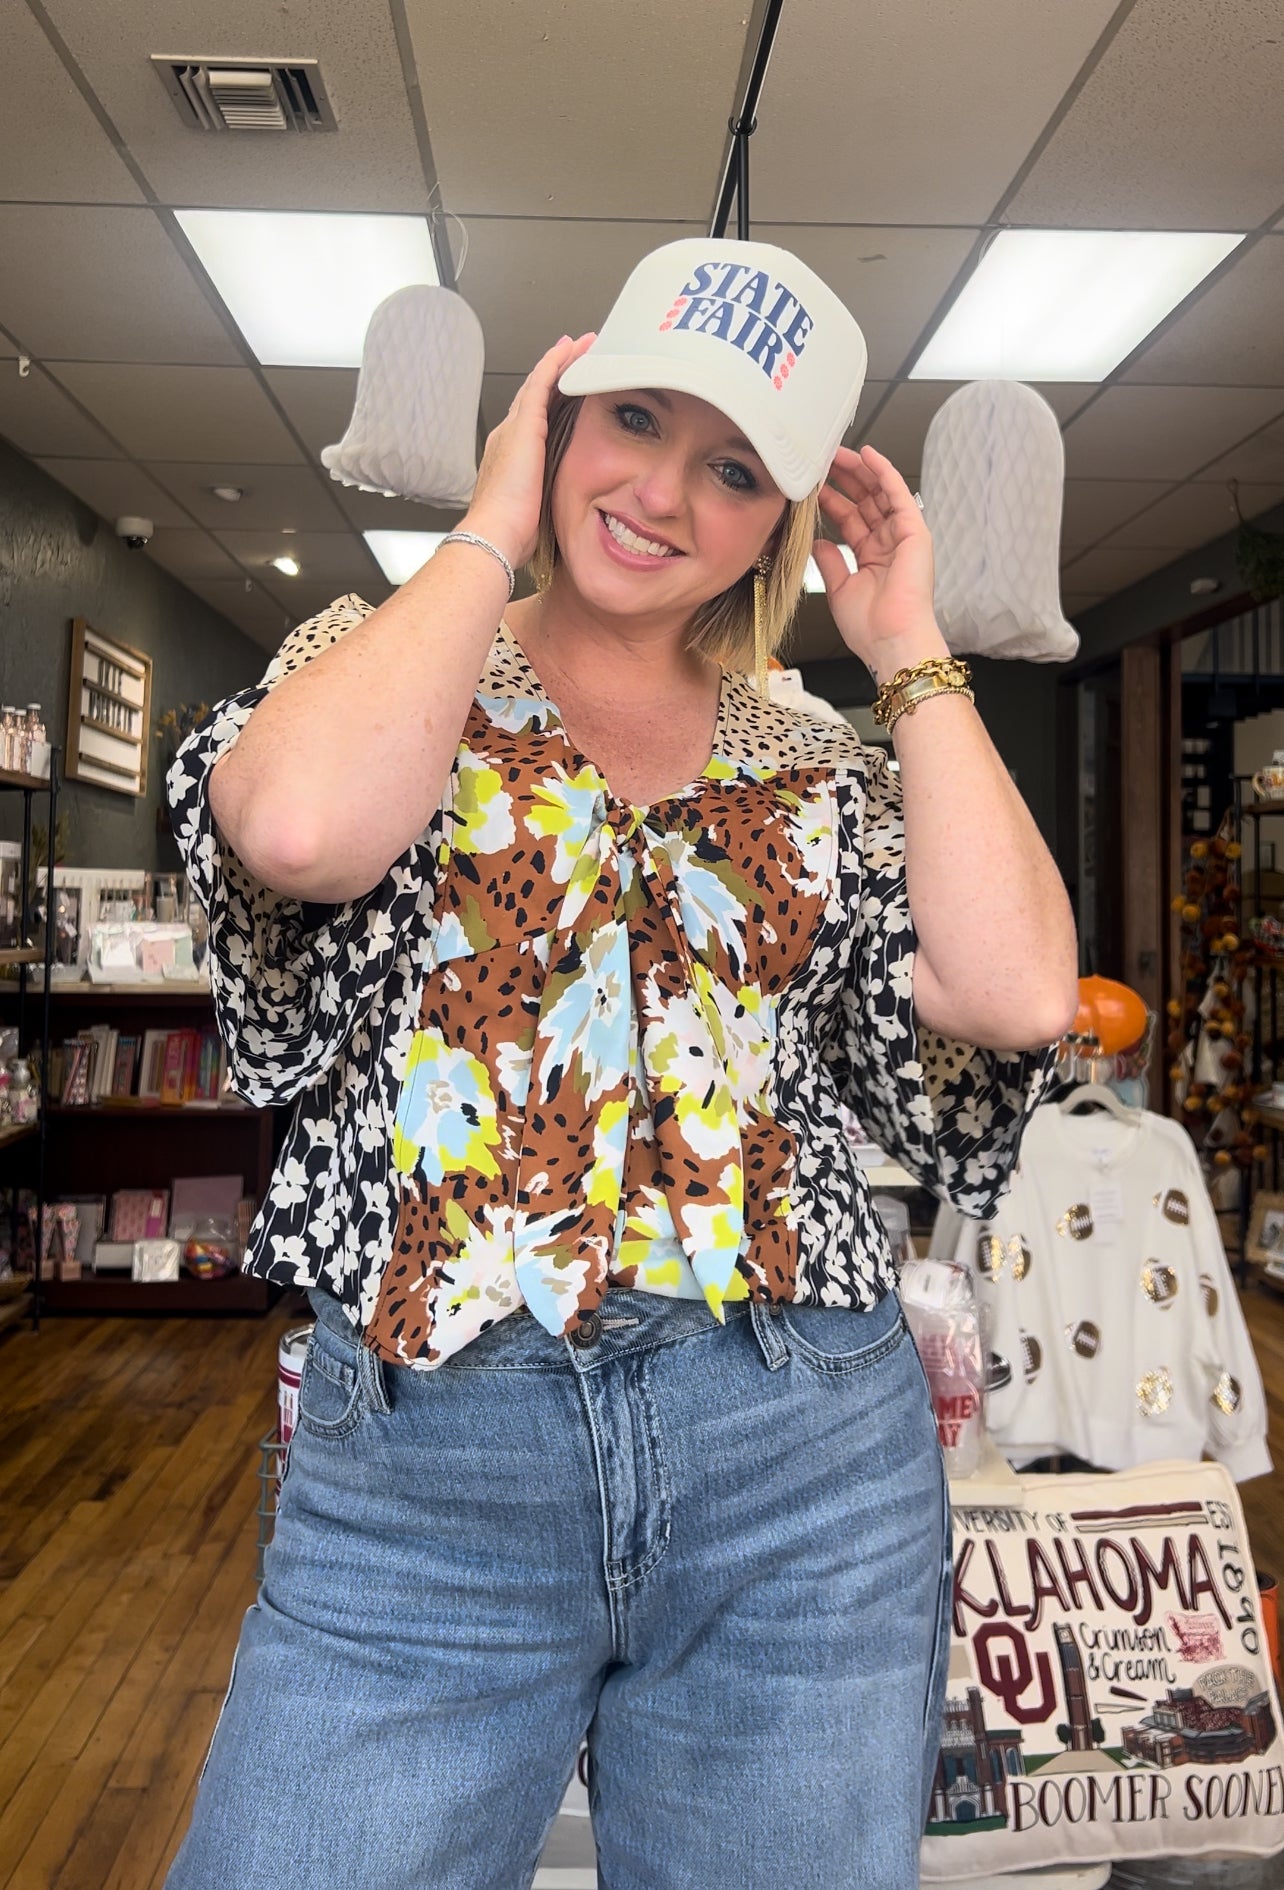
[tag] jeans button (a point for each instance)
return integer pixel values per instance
(588, 1331)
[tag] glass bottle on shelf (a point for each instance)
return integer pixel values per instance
(27, 736)
(37, 756)
(8, 729)
(24, 1100)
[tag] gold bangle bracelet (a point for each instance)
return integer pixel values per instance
(938, 675)
(907, 704)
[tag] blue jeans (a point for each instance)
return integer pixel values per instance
(721, 1554)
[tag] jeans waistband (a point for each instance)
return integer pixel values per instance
(627, 1320)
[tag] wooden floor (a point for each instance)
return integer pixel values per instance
(128, 1490)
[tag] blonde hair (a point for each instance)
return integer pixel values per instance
(723, 628)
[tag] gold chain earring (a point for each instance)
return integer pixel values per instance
(761, 572)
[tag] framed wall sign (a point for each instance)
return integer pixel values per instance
(108, 711)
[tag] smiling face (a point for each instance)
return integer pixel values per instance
(659, 504)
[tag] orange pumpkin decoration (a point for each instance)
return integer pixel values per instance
(1112, 1013)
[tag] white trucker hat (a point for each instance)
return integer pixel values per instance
(750, 329)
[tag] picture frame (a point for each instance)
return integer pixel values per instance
(1266, 1229)
(109, 710)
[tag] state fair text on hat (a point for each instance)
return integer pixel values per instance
(748, 308)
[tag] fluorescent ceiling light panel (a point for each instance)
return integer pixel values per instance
(400, 554)
(1065, 305)
(301, 287)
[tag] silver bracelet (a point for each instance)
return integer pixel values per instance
(472, 538)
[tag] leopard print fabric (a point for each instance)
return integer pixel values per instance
(567, 1043)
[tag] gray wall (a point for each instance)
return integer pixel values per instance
(58, 560)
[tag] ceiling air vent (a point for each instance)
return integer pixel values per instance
(247, 94)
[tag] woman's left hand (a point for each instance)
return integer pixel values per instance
(884, 607)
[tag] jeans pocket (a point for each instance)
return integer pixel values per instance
(330, 1401)
(841, 1338)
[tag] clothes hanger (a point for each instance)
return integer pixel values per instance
(1104, 1097)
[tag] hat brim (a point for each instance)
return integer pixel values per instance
(607, 373)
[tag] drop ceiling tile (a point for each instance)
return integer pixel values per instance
(114, 487)
(899, 428)
(40, 419)
(253, 611)
(579, 110)
(1111, 568)
(371, 163)
(191, 554)
(303, 599)
(1194, 514)
(900, 425)
(1163, 432)
(175, 412)
(103, 284)
(52, 148)
(372, 512)
(341, 557)
(317, 402)
(1093, 508)
(1177, 128)
(498, 394)
(891, 280)
(872, 395)
(275, 497)
(531, 280)
(1233, 336)
(910, 113)
(1259, 460)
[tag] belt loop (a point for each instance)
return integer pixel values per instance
(770, 1337)
(370, 1376)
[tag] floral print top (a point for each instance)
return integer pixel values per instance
(569, 1043)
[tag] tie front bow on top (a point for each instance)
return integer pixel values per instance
(586, 1095)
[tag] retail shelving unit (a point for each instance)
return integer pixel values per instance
(19, 1138)
(100, 1147)
(1249, 816)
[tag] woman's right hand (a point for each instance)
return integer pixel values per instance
(505, 505)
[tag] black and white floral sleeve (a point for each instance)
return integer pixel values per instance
(953, 1115)
(291, 982)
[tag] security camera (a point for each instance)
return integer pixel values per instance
(134, 531)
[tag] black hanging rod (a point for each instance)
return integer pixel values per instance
(744, 122)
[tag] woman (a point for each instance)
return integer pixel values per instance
(569, 944)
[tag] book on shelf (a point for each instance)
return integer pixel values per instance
(125, 1066)
(139, 1214)
(172, 1067)
(75, 1084)
(152, 1070)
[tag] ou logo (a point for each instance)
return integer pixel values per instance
(1004, 1669)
